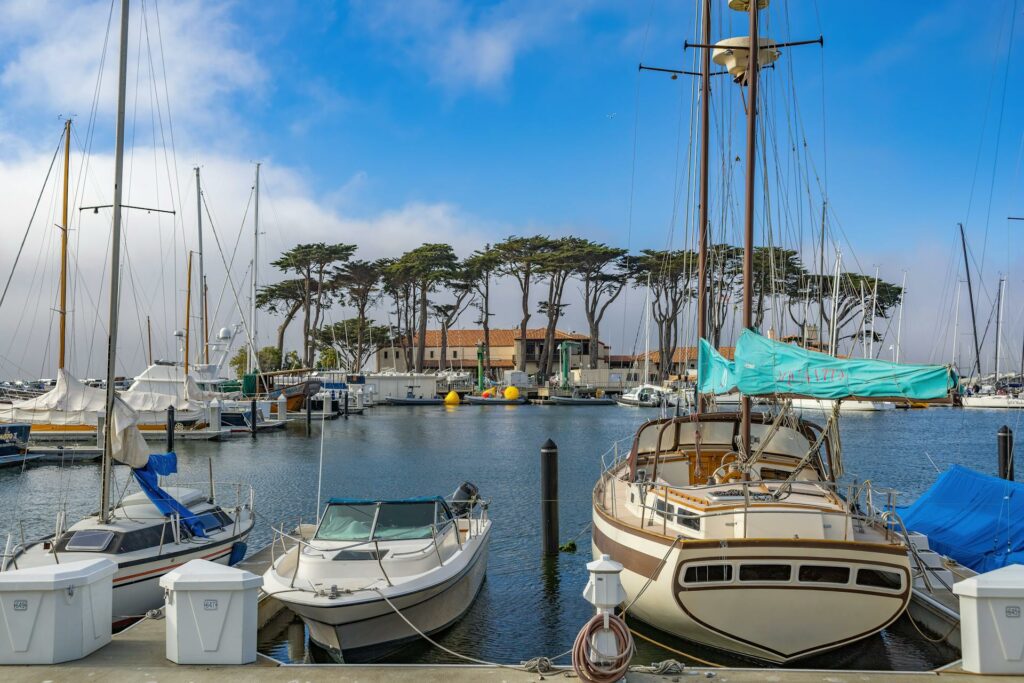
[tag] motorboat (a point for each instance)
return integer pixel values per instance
(411, 399)
(369, 568)
(492, 400)
(579, 399)
(14, 444)
(993, 401)
(647, 396)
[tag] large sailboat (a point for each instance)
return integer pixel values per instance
(151, 532)
(732, 527)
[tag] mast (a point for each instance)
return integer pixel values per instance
(970, 299)
(863, 322)
(748, 218)
(899, 321)
(874, 307)
(188, 309)
(999, 320)
(115, 266)
(202, 279)
(149, 341)
(705, 135)
(63, 311)
(956, 326)
(821, 278)
(206, 321)
(253, 363)
(833, 328)
(647, 332)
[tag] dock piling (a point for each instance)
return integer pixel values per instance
(346, 403)
(549, 497)
(252, 417)
(1004, 439)
(309, 416)
(170, 429)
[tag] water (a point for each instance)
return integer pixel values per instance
(528, 606)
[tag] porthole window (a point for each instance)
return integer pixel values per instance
(765, 572)
(879, 578)
(708, 573)
(813, 573)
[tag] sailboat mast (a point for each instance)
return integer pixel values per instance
(63, 311)
(899, 321)
(115, 267)
(871, 318)
(647, 333)
(705, 136)
(202, 279)
(748, 218)
(999, 320)
(970, 300)
(188, 309)
(956, 326)
(253, 360)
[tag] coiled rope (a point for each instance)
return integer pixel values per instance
(610, 667)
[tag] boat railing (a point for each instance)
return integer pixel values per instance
(475, 524)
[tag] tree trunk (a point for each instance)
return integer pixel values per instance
(525, 284)
(444, 346)
(487, 327)
(289, 316)
(421, 343)
(592, 356)
(307, 279)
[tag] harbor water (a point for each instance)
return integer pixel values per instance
(529, 606)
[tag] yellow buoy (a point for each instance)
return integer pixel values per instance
(511, 393)
(452, 399)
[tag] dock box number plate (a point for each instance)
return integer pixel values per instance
(20, 605)
(1013, 611)
(210, 605)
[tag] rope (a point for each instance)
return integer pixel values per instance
(674, 651)
(609, 667)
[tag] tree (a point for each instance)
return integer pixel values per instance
(670, 276)
(339, 338)
(398, 282)
(479, 268)
(518, 258)
(360, 281)
(778, 273)
(285, 297)
(459, 282)
(602, 271)
(725, 266)
(268, 357)
(428, 265)
(556, 264)
(313, 263)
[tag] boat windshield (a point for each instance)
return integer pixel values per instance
(394, 522)
(347, 522)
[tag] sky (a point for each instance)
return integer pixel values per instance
(389, 124)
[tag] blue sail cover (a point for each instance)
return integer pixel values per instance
(715, 374)
(975, 518)
(163, 465)
(764, 367)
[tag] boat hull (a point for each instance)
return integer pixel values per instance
(996, 401)
(792, 620)
(369, 629)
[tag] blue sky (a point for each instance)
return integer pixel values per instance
(388, 123)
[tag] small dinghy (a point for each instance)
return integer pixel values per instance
(492, 401)
(373, 567)
(578, 399)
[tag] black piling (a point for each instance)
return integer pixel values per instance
(309, 415)
(252, 418)
(1004, 439)
(549, 497)
(170, 429)
(346, 404)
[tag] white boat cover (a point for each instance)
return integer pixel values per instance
(126, 442)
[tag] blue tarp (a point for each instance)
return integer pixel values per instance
(975, 518)
(163, 465)
(764, 367)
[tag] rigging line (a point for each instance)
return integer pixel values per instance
(231, 262)
(28, 228)
(999, 128)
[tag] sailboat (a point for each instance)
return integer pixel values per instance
(645, 394)
(993, 396)
(149, 533)
(731, 527)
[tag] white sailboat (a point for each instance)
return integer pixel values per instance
(146, 534)
(992, 397)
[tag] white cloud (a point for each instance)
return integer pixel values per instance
(462, 46)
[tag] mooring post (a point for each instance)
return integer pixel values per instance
(549, 497)
(309, 415)
(170, 429)
(346, 403)
(252, 417)
(1004, 438)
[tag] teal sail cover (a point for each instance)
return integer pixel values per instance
(764, 367)
(715, 374)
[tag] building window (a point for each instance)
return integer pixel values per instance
(385, 355)
(431, 354)
(455, 354)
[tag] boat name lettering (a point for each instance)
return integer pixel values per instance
(813, 376)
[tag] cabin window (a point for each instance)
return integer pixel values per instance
(664, 509)
(765, 572)
(691, 520)
(771, 474)
(404, 521)
(93, 540)
(708, 573)
(813, 573)
(347, 522)
(879, 578)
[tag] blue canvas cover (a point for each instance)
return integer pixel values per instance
(715, 374)
(163, 465)
(764, 367)
(975, 518)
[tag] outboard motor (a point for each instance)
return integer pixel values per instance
(464, 498)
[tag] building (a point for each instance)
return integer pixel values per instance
(684, 361)
(506, 348)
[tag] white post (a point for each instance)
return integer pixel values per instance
(605, 592)
(282, 407)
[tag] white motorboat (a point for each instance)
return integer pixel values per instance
(372, 567)
(647, 396)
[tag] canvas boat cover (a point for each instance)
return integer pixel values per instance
(165, 464)
(975, 518)
(765, 367)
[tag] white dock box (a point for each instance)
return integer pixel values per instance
(211, 613)
(992, 621)
(55, 613)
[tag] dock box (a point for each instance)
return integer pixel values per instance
(992, 621)
(211, 613)
(55, 613)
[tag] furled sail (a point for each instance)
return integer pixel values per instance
(126, 442)
(764, 367)
(716, 374)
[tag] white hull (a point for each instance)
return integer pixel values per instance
(844, 406)
(998, 401)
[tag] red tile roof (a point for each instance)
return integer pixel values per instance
(681, 354)
(499, 337)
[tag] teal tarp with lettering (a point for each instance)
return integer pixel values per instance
(715, 374)
(764, 367)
